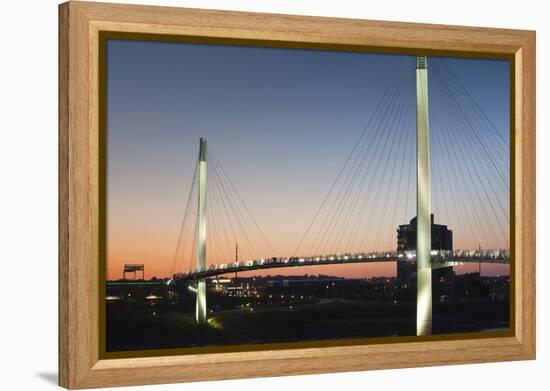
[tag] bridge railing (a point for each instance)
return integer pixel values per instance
(499, 254)
(292, 261)
(436, 255)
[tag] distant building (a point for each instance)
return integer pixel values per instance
(133, 269)
(442, 239)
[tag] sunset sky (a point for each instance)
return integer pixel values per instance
(282, 123)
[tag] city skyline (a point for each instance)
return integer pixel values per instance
(288, 115)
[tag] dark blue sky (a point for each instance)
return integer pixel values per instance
(282, 122)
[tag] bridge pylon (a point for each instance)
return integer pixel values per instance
(424, 230)
(200, 313)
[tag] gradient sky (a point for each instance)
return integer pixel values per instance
(282, 122)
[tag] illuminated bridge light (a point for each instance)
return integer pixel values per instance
(153, 297)
(458, 257)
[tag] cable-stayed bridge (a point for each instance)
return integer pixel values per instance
(461, 162)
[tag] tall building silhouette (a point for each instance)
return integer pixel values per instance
(442, 239)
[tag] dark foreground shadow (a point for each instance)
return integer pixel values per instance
(48, 377)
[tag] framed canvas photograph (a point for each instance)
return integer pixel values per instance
(246, 195)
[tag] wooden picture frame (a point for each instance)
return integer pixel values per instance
(81, 24)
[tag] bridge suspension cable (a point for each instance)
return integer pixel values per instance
(229, 221)
(477, 156)
(345, 189)
(372, 193)
(185, 228)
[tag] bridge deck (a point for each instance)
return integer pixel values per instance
(216, 270)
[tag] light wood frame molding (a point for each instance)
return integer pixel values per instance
(80, 24)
